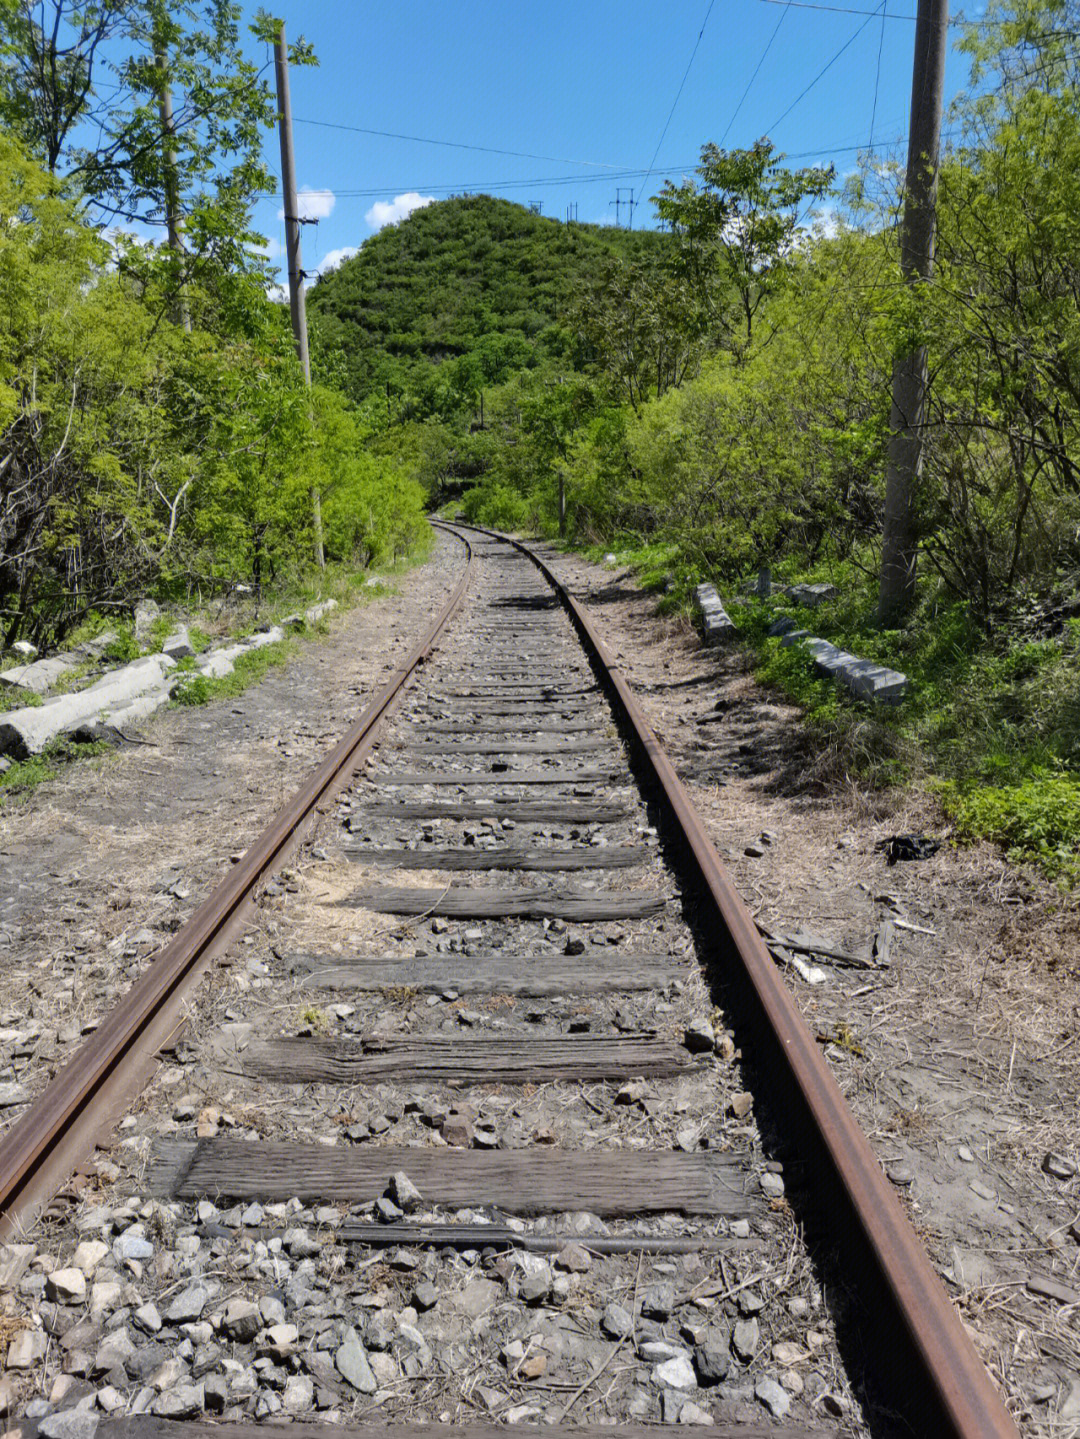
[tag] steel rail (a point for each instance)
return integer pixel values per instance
(964, 1401)
(43, 1147)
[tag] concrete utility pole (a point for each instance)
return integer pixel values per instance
(297, 306)
(899, 550)
(173, 218)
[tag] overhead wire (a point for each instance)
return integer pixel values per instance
(678, 93)
(490, 187)
(452, 144)
(828, 65)
(757, 68)
(955, 23)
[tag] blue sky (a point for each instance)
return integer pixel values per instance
(582, 91)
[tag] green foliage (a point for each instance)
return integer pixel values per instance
(249, 668)
(1037, 821)
(737, 226)
(140, 458)
(456, 300)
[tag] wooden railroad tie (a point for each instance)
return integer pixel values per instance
(521, 811)
(490, 1059)
(608, 856)
(527, 975)
(464, 902)
(389, 777)
(614, 1184)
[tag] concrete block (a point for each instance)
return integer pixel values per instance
(828, 660)
(95, 648)
(715, 620)
(812, 595)
(24, 732)
(25, 650)
(41, 675)
(179, 645)
(795, 637)
(146, 612)
(874, 682)
(783, 625)
(317, 611)
(221, 662)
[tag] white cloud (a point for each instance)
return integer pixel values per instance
(332, 260)
(313, 204)
(387, 212)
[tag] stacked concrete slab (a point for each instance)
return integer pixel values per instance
(865, 680)
(122, 697)
(715, 620)
(24, 732)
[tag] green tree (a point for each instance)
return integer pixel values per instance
(738, 230)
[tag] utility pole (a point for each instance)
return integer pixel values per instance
(292, 249)
(173, 219)
(899, 549)
(619, 202)
(297, 306)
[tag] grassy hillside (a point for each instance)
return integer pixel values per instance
(469, 277)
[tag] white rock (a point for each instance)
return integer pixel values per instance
(773, 1396)
(66, 1286)
(178, 646)
(89, 1254)
(27, 1347)
(676, 1374)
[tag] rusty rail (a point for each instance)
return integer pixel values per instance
(41, 1150)
(960, 1396)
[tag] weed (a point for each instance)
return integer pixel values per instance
(314, 1018)
(248, 669)
(1037, 820)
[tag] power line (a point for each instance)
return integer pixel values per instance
(828, 64)
(877, 76)
(678, 93)
(888, 14)
(753, 77)
(478, 187)
(454, 144)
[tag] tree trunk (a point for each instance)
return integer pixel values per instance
(907, 422)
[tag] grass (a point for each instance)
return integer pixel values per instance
(344, 583)
(991, 722)
(25, 775)
(249, 668)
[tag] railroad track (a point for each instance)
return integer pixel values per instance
(456, 1131)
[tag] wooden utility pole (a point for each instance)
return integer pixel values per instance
(174, 220)
(899, 550)
(297, 305)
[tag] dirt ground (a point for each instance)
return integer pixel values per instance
(961, 1059)
(100, 866)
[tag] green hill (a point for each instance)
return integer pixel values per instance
(471, 279)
